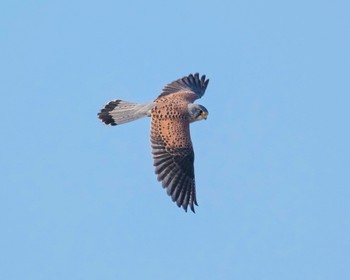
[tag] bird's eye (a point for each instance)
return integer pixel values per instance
(199, 113)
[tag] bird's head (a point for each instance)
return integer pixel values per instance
(197, 112)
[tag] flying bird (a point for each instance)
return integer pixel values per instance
(171, 114)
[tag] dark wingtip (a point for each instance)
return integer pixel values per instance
(104, 115)
(186, 206)
(200, 83)
(193, 203)
(192, 82)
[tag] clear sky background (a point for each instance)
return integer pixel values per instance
(79, 200)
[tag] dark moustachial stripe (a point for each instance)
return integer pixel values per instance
(104, 115)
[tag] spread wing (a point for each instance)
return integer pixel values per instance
(170, 138)
(192, 86)
(174, 167)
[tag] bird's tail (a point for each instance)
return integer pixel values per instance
(119, 112)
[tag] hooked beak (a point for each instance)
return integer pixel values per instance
(205, 115)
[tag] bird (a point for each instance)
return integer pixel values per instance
(171, 114)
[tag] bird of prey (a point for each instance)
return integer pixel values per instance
(171, 114)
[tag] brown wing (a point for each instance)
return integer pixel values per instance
(172, 150)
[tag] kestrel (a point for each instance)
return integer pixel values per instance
(171, 114)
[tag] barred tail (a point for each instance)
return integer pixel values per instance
(119, 112)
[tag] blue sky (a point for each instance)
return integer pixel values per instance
(79, 200)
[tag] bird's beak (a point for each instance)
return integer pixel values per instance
(205, 115)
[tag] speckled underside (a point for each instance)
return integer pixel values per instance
(172, 150)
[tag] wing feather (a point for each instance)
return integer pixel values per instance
(191, 84)
(174, 168)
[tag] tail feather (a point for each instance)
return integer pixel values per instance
(119, 112)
